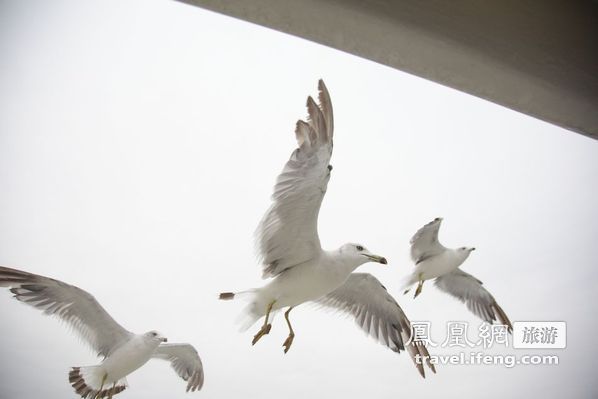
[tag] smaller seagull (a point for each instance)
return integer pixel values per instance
(433, 260)
(123, 351)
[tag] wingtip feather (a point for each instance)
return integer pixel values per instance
(86, 383)
(502, 317)
(326, 107)
(226, 296)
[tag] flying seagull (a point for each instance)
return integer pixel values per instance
(123, 351)
(289, 248)
(433, 260)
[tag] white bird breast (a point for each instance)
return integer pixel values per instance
(439, 265)
(307, 282)
(129, 357)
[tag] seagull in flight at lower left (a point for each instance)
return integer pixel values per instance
(123, 351)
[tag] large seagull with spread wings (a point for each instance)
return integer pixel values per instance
(434, 261)
(123, 351)
(289, 249)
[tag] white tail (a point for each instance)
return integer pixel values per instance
(249, 316)
(408, 282)
(89, 382)
(254, 310)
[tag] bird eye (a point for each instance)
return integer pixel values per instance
(359, 248)
(154, 334)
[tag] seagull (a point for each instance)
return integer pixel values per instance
(123, 351)
(290, 254)
(434, 261)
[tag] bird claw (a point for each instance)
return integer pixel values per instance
(263, 331)
(288, 342)
(420, 285)
(418, 291)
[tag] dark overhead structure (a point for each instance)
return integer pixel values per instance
(536, 57)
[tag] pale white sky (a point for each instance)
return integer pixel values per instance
(139, 142)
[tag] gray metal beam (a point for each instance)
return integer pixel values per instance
(536, 57)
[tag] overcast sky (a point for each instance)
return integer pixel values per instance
(139, 142)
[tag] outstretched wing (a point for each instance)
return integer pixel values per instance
(424, 243)
(287, 234)
(185, 360)
(469, 290)
(378, 314)
(73, 305)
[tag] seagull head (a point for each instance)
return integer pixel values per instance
(358, 254)
(155, 336)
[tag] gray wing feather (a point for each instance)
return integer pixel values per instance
(469, 290)
(72, 304)
(287, 234)
(185, 361)
(424, 243)
(377, 313)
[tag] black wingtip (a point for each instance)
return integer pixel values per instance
(226, 296)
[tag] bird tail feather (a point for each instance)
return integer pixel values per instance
(87, 382)
(408, 282)
(252, 312)
(247, 318)
(227, 296)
